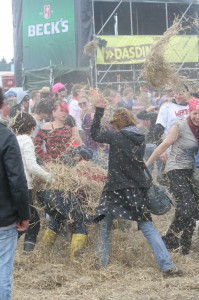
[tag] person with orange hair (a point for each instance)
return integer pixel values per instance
(124, 194)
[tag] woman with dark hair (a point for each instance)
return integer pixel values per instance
(125, 192)
(23, 125)
(54, 142)
(40, 112)
(55, 136)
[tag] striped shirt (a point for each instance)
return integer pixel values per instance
(50, 144)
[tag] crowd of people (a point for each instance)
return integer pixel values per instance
(116, 131)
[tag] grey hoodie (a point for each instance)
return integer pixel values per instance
(20, 96)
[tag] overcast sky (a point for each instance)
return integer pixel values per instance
(6, 30)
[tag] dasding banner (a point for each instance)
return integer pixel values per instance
(48, 34)
(134, 49)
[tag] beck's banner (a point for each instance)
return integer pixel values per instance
(48, 34)
(134, 49)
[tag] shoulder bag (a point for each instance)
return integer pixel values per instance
(160, 198)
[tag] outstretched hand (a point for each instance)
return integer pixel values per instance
(100, 101)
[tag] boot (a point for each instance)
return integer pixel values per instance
(29, 246)
(78, 241)
(171, 241)
(49, 238)
(185, 242)
(173, 272)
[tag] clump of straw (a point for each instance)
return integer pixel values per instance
(85, 181)
(90, 48)
(157, 71)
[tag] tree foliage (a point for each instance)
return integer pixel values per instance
(4, 66)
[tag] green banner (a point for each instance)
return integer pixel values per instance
(48, 34)
(134, 49)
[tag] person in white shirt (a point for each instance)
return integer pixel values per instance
(170, 113)
(74, 108)
(23, 125)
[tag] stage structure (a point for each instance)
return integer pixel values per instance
(127, 29)
(49, 40)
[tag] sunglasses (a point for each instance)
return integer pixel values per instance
(82, 104)
(62, 90)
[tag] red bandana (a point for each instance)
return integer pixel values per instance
(193, 104)
(194, 128)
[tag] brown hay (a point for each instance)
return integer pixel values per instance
(157, 71)
(90, 48)
(86, 176)
(131, 275)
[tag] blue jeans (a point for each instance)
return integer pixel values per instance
(8, 242)
(151, 234)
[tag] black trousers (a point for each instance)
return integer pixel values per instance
(34, 223)
(186, 212)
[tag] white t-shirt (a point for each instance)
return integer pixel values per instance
(75, 112)
(171, 112)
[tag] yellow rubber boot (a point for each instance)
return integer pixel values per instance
(78, 241)
(49, 238)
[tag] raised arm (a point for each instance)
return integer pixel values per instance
(97, 134)
(171, 137)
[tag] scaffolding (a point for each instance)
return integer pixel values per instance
(119, 76)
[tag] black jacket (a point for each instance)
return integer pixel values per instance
(125, 156)
(14, 198)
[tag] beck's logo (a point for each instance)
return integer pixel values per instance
(46, 11)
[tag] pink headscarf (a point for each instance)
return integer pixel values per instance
(193, 104)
